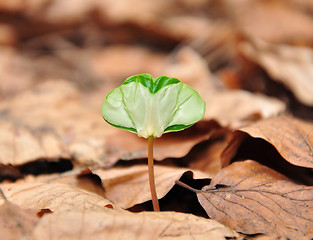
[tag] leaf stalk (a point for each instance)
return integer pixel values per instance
(154, 197)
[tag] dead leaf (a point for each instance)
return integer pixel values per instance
(273, 21)
(292, 137)
(237, 107)
(290, 65)
(117, 62)
(75, 178)
(118, 224)
(16, 222)
(145, 13)
(15, 77)
(54, 196)
(7, 35)
(128, 186)
(14, 5)
(252, 199)
(191, 68)
(207, 156)
(92, 215)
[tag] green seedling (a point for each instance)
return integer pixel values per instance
(151, 107)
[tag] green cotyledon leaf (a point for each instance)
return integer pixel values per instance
(151, 107)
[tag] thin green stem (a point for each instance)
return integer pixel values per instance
(155, 201)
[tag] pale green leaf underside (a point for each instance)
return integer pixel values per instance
(172, 107)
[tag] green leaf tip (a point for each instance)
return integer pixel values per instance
(151, 107)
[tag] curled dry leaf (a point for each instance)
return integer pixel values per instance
(206, 156)
(126, 187)
(252, 199)
(54, 196)
(292, 66)
(293, 139)
(118, 224)
(16, 222)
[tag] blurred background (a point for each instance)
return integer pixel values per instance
(262, 46)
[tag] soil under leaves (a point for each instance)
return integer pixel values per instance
(246, 166)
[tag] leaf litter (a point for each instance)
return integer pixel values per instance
(252, 198)
(58, 62)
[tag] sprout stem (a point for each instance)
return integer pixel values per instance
(155, 201)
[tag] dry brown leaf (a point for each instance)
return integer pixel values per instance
(252, 198)
(7, 35)
(274, 21)
(17, 145)
(191, 68)
(55, 196)
(293, 139)
(79, 214)
(129, 186)
(177, 25)
(292, 66)
(207, 157)
(76, 178)
(13, 73)
(118, 224)
(11, 5)
(16, 222)
(301, 5)
(237, 108)
(145, 12)
(117, 62)
(72, 12)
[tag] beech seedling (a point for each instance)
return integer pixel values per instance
(151, 107)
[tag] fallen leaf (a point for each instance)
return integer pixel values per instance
(128, 186)
(8, 35)
(253, 199)
(273, 21)
(16, 144)
(207, 156)
(15, 77)
(11, 6)
(54, 196)
(91, 215)
(144, 14)
(118, 62)
(290, 65)
(118, 224)
(292, 137)
(16, 222)
(76, 178)
(191, 68)
(237, 107)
